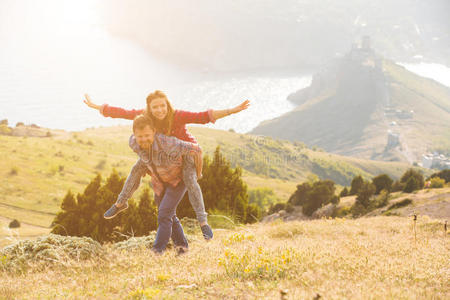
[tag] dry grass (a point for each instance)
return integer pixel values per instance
(369, 258)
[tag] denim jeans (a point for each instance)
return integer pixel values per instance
(193, 188)
(168, 223)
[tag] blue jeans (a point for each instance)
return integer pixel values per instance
(168, 223)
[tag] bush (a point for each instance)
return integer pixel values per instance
(382, 182)
(344, 192)
(312, 196)
(5, 130)
(437, 182)
(404, 202)
(416, 184)
(20, 124)
(4, 122)
(397, 186)
(444, 174)
(411, 185)
(356, 184)
(262, 197)
(14, 224)
(277, 207)
(382, 199)
(366, 191)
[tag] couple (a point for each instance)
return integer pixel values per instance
(171, 156)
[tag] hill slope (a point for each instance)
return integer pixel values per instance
(355, 101)
(38, 171)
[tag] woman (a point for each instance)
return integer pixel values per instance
(173, 123)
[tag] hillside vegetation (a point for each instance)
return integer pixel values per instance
(38, 171)
(368, 258)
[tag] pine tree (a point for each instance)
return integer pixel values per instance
(147, 213)
(222, 187)
(356, 184)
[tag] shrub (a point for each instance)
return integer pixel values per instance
(444, 174)
(4, 122)
(415, 184)
(397, 186)
(20, 124)
(382, 199)
(382, 182)
(277, 207)
(5, 130)
(411, 185)
(262, 197)
(344, 192)
(14, 224)
(366, 191)
(356, 184)
(437, 182)
(312, 196)
(404, 202)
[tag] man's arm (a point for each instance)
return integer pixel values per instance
(132, 183)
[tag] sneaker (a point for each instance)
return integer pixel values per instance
(181, 251)
(114, 210)
(207, 232)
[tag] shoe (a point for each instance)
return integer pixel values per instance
(181, 251)
(114, 210)
(207, 232)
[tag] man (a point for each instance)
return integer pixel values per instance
(162, 157)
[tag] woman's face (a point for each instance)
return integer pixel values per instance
(158, 108)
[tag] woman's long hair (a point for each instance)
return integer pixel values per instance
(162, 126)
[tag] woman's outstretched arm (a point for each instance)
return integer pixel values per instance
(218, 114)
(87, 100)
(187, 117)
(111, 111)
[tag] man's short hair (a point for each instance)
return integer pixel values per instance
(141, 121)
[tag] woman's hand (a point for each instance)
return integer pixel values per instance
(244, 105)
(88, 102)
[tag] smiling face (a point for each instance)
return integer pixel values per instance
(144, 137)
(158, 108)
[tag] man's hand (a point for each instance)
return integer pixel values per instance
(88, 102)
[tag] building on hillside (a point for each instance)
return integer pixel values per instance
(393, 140)
(435, 161)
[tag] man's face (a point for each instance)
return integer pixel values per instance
(144, 137)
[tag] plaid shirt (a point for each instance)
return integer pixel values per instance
(167, 156)
(180, 119)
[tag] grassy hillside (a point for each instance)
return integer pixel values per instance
(368, 258)
(38, 171)
(354, 102)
